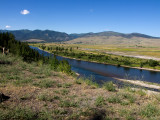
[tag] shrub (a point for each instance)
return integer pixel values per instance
(153, 63)
(109, 86)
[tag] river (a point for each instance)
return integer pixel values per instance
(103, 72)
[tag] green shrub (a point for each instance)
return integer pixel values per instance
(109, 86)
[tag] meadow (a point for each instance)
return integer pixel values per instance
(38, 92)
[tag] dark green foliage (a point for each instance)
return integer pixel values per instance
(18, 48)
(101, 58)
(64, 67)
(8, 41)
(153, 63)
(54, 63)
(109, 86)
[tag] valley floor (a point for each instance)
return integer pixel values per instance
(37, 92)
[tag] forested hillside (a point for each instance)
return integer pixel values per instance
(7, 41)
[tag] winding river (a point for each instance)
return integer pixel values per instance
(102, 72)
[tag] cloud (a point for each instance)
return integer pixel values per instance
(25, 12)
(7, 26)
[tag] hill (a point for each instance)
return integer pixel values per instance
(111, 33)
(39, 93)
(39, 35)
(107, 37)
(115, 38)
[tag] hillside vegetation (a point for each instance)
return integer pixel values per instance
(87, 54)
(37, 92)
(34, 87)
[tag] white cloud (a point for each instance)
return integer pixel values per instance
(25, 12)
(7, 26)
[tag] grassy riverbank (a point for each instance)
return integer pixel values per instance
(37, 92)
(76, 52)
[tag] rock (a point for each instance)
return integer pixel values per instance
(3, 97)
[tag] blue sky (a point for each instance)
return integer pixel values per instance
(81, 16)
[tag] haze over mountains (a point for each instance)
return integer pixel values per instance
(107, 37)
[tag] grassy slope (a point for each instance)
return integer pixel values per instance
(148, 47)
(38, 93)
(114, 40)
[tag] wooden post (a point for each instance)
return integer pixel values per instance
(3, 50)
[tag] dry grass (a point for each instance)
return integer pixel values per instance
(58, 96)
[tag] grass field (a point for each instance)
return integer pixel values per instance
(126, 50)
(37, 92)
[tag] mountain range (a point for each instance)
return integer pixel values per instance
(100, 37)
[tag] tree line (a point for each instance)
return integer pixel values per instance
(101, 58)
(8, 41)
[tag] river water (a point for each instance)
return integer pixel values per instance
(102, 72)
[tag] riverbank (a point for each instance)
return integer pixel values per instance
(37, 92)
(141, 83)
(148, 85)
(149, 69)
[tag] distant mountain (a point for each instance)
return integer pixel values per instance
(111, 33)
(54, 36)
(115, 38)
(39, 35)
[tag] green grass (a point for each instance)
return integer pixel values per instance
(109, 86)
(100, 101)
(141, 92)
(64, 92)
(40, 95)
(114, 99)
(122, 98)
(68, 103)
(60, 112)
(46, 97)
(18, 114)
(44, 83)
(150, 110)
(89, 81)
(67, 85)
(23, 82)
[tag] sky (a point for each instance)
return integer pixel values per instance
(82, 16)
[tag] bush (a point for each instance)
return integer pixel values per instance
(64, 67)
(153, 63)
(109, 86)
